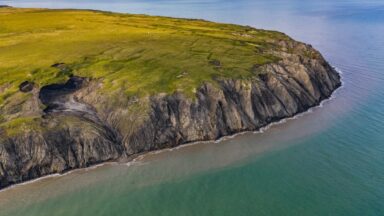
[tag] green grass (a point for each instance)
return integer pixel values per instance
(135, 54)
(17, 125)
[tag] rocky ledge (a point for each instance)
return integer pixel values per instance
(82, 127)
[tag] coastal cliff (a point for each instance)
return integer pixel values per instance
(80, 137)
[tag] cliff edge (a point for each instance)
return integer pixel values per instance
(71, 122)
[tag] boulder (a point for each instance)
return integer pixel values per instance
(26, 86)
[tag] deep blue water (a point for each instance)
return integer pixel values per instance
(328, 162)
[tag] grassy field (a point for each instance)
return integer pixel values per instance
(135, 54)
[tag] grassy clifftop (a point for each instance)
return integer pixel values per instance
(79, 87)
(132, 54)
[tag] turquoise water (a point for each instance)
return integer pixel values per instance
(327, 162)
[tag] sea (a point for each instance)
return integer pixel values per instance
(328, 161)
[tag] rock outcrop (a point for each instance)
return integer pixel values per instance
(26, 86)
(82, 127)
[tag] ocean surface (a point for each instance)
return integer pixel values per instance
(329, 161)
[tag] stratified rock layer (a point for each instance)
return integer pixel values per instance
(83, 127)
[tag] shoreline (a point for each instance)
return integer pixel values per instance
(134, 159)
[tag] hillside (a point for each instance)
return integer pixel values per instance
(80, 87)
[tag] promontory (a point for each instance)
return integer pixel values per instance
(82, 87)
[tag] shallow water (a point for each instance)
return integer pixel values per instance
(327, 162)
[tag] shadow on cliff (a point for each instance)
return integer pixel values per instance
(60, 100)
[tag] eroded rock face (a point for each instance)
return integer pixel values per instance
(234, 107)
(82, 129)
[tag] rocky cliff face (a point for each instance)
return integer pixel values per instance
(82, 128)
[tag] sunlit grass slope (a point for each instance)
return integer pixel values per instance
(131, 55)
(137, 54)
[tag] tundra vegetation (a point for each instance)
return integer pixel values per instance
(131, 55)
(81, 87)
